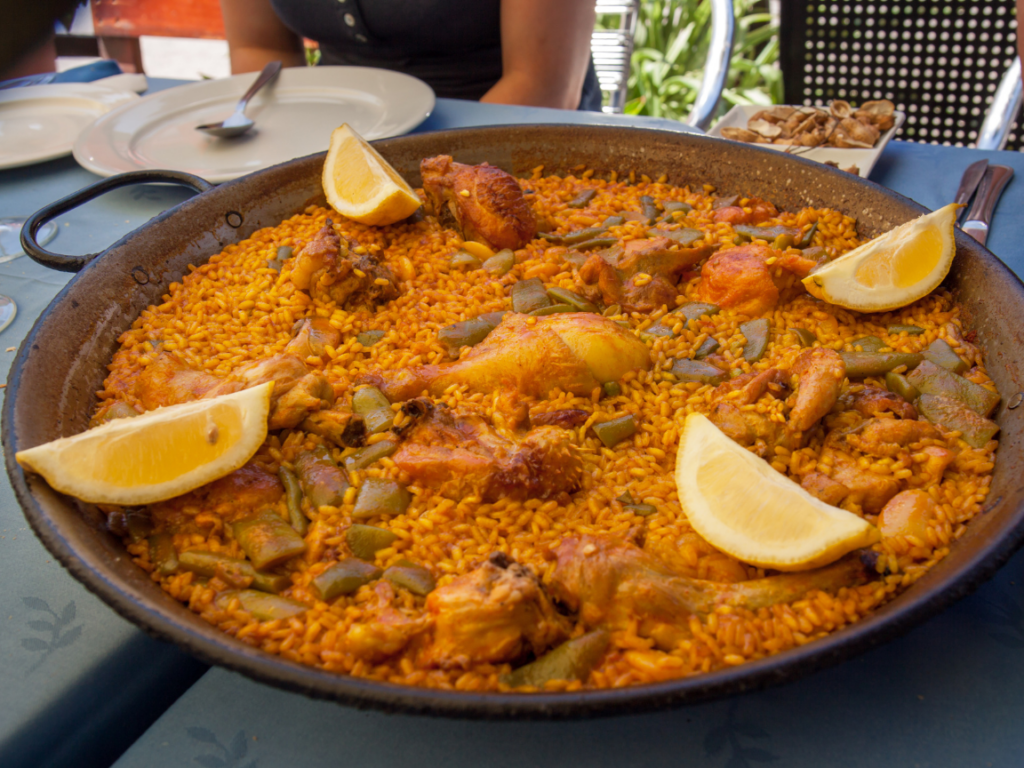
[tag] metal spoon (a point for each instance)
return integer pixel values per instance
(238, 123)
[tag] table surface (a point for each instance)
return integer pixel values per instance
(81, 686)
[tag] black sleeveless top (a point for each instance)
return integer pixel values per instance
(452, 45)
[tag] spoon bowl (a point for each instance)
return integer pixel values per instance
(238, 123)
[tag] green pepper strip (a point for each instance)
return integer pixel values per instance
(572, 660)
(267, 540)
(293, 496)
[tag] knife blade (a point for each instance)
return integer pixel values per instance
(968, 183)
(992, 186)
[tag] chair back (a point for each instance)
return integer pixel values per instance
(940, 62)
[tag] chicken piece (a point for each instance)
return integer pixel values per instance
(752, 387)
(462, 454)
(889, 437)
(248, 488)
(825, 488)
(342, 427)
(332, 272)
(620, 586)
(486, 203)
(748, 427)
(615, 278)
(818, 373)
(759, 211)
(497, 612)
(871, 401)
(869, 490)
(739, 279)
(935, 464)
(297, 392)
(575, 352)
(311, 338)
(797, 263)
(385, 630)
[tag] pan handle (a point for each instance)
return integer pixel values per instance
(74, 263)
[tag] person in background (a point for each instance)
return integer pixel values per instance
(528, 52)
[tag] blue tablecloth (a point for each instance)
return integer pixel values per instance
(80, 685)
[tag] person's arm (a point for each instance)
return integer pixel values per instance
(256, 36)
(545, 50)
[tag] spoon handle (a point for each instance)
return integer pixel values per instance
(269, 73)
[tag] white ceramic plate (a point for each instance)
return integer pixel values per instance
(294, 117)
(42, 122)
(863, 159)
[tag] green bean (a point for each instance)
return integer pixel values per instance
(369, 399)
(371, 454)
(808, 236)
(572, 660)
(611, 389)
(613, 221)
(571, 238)
(262, 606)
(582, 200)
(554, 309)
(379, 496)
(757, 333)
(562, 296)
(684, 236)
(724, 202)
(284, 253)
(267, 540)
(868, 344)
(231, 569)
(931, 379)
(414, 578)
(616, 430)
(274, 264)
(862, 364)
(462, 259)
(494, 318)
(695, 310)
(695, 370)
(380, 420)
(707, 347)
(138, 523)
(293, 497)
(626, 498)
(748, 232)
(783, 241)
(804, 337)
(595, 243)
(321, 481)
(366, 540)
(975, 430)
(658, 329)
(673, 206)
(369, 338)
(941, 353)
(343, 578)
(528, 295)
(910, 330)
(648, 208)
(500, 263)
(162, 553)
(466, 333)
(898, 383)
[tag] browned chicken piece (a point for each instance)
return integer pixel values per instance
(748, 427)
(619, 586)
(817, 374)
(332, 272)
(870, 490)
(245, 489)
(825, 488)
(760, 211)
(341, 427)
(935, 464)
(567, 418)
(752, 387)
(739, 279)
(889, 437)
(385, 630)
(871, 401)
(614, 277)
(795, 262)
(497, 612)
(297, 392)
(461, 454)
(311, 338)
(486, 203)
(575, 352)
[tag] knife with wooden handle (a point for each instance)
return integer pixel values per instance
(968, 183)
(992, 186)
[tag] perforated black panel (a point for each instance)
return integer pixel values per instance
(940, 62)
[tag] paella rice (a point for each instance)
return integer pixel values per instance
(243, 307)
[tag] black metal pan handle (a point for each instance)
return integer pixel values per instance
(53, 210)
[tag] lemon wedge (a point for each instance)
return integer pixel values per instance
(161, 454)
(742, 506)
(894, 269)
(361, 185)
